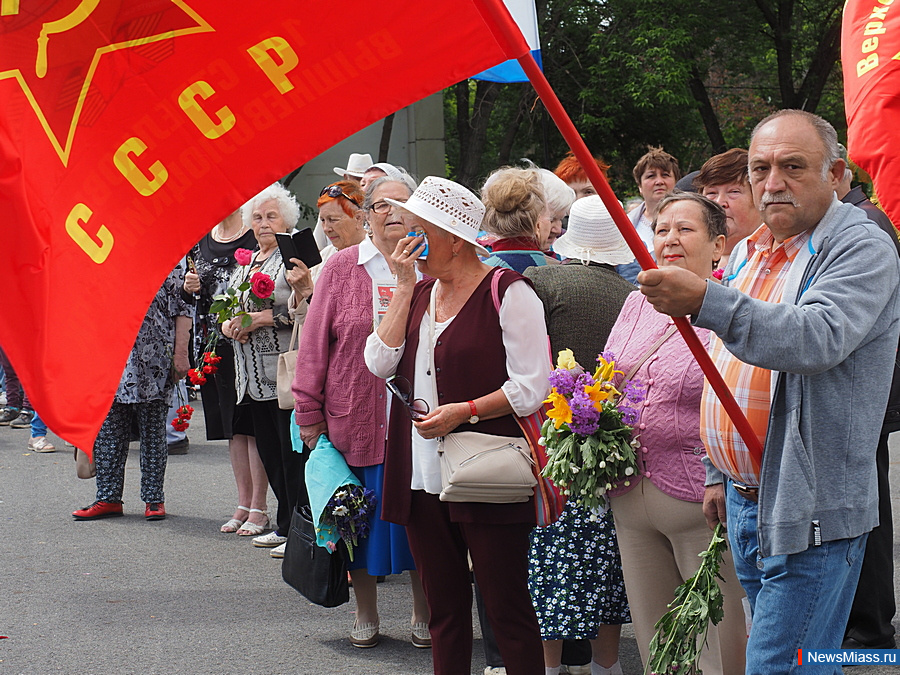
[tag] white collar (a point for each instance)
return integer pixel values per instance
(367, 251)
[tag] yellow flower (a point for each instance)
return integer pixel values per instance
(606, 370)
(566, 360)
(561, 412)
(599, 392)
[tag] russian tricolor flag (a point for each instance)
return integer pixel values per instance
(525, 15)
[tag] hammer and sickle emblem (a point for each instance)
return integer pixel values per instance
(73, 19)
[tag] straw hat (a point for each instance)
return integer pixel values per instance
(449, 206)
(592, 235)
(356, 165)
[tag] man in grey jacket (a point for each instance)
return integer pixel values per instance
(811, 297)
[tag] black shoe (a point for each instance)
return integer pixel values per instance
(852, 643)
(7, 415)
(23, 421)
(179, 447)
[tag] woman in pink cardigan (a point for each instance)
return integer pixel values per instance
(659, 518)
(337, 395)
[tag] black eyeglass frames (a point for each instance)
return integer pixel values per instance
(401, 388)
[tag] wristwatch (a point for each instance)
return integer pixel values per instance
(473, 419)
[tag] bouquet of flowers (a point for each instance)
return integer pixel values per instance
(227, 306)
(587, 433)
(681, 632)
(348, 513)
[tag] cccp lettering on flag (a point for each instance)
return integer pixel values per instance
(870, 49)
(127, 130)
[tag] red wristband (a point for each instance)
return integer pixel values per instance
(472, 408)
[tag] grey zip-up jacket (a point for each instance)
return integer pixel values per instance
(831, 344)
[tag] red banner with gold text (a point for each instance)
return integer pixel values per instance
(127, 129)
(870, 55)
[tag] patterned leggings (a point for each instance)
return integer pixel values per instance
(111, 450)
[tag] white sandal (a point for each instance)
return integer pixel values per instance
(234, 524)
(254, 529)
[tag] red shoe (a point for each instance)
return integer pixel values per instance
(98, 510)
(155, 511)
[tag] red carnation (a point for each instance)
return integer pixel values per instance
(185, 411)
(209, 370)
(196, 377)
(261, 285)
(211, 358)
(179, 424)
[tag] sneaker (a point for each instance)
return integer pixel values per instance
(179, 447)
(278, 551)
(155, 511)
(7, 415)
(98, 510)
(23, 421)
(40, 444)
(271, 540)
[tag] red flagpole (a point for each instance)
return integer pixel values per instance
(578, 146)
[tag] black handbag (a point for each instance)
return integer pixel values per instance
(319, 576)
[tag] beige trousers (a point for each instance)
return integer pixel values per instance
(660, 538)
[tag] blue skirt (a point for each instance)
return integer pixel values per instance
(386, 549)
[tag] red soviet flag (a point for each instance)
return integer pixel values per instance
(870, 49)
(128, 129)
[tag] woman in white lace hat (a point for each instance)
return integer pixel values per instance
(475, 365)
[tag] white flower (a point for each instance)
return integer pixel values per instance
(608, 486)
(542, 441)
(340, 511)
(629, 470)
(635, 443)
(573, 468)
(602, 465)
(627, 483)
(340, 494)
(593, 517)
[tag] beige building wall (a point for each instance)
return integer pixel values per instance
(417, 144)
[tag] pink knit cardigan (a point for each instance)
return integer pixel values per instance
(332, 382)
(670, 452)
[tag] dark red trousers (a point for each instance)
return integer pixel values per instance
(500, 562)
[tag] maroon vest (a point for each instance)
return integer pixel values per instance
(470, 362)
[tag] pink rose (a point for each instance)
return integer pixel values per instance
(243, 256)
(261, 285)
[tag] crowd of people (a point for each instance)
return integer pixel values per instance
(790, 278)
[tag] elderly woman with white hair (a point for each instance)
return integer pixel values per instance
(256, 349)
(575, 573)
(469, 344)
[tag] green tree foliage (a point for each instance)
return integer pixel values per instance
(693, 76)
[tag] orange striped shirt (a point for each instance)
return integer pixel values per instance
(762, 276)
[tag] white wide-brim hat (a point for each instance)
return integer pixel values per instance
(449, 206)
(592, 235)
(356, 165)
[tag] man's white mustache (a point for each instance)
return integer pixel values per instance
(777, 198)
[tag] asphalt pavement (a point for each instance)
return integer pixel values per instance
(124, 595)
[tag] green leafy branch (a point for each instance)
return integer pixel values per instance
(681, 632)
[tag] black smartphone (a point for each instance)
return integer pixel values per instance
(300, 244)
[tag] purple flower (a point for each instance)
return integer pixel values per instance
(609, 356)
(629, 415)
(633, 390)
(584, 414)
(563, 380)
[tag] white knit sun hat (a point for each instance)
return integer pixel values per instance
(449, 206)
(356, 165)
(592, 235)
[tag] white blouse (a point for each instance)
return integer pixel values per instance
(527, 363)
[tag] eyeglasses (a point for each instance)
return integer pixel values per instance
(382, 207)
(335, 191)
(401, 388)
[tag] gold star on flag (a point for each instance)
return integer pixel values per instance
(53, 52)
